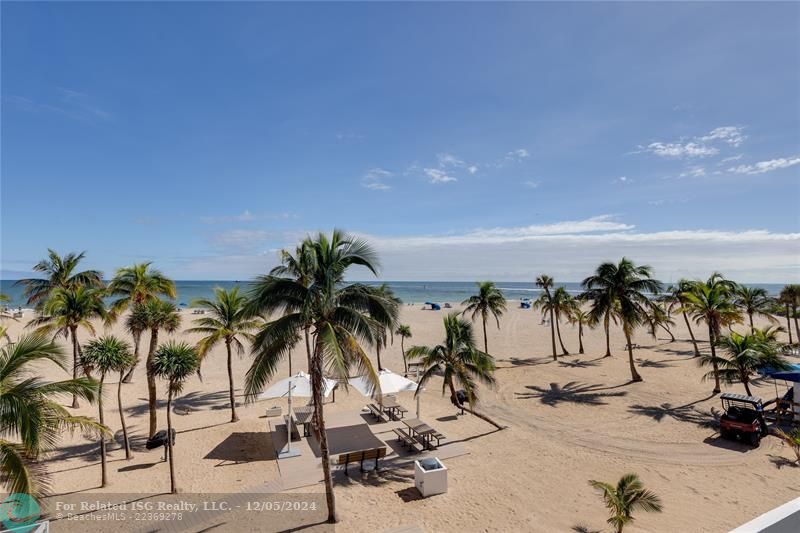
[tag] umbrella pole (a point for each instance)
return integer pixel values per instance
(417, 376)
(289, 422)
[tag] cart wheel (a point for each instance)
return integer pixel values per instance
(755, 440)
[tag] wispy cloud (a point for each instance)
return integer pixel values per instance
(765, 166)
(693, 172)
(449, 160)
(518, 155)
(531, 184)
(730, 134)
(438, 175)
(730, 159)
(624, 180)
(472, 169)
(67, 102)
(245, 216)
(679, 150)
(375, 179)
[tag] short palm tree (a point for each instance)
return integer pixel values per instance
(388, 310)
(104, 355)
(753, 301)
(66, 310)
(157, 315)
(658, 317)
(676, 298)
(623, 499)
(404, 332)
(31, 417)
(582, 319)
(341, 318)
(460, 363)
(227, 322)
(790, 297)
(792, 440)
(136, 285)
(58, 273)
(743, 355)
(546, 282)
(175, 362)
(711, 302)
(488, 301)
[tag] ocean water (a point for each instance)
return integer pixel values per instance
(415, 292)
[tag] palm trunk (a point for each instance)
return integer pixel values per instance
(102, 435)
(172, 488)
(580, 338)
(378, 352)
(634, 374)
(796, 327)
(316, 391)
(746, 383)
(671, 336)
(403, 349)
(125, 441)
(552, 329)
(691, 334)
(712, 342)
(608, 334)
(137, 338)
(308, 351)
(74, 331)
(485, 339)
(558, 331)
(151, 383)
(789, 324)
(752, 327)
(469, 409)
(234, 418)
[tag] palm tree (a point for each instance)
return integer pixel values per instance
(404, 332)
(546, 282)
(157, 315)
(227, 322)
(621, 290)
(66, 310)
(175, 362)
(384, 323)
(628, 496)
(676, 296)
(744, 355)
(753, 301)
(134, 285)
(790, 296)
(581, 318)
(459, 361)
(339, 317)
(59, 273)
(31, 418)
(488, 301)
(104, 355)
(791, 439)
(711, 302)
(658, 317)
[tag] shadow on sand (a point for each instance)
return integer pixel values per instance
(572, 392)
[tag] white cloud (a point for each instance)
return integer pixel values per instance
(518, 154)
(437, 175)
(730, 134)
(375, 179)
(472, 169)
(679, 150)
(730, 159)
(693, 172)
(449, 160)
(624, 180)
(531, 184)
(245, 216)
(765, 166)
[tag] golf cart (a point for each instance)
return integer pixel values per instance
(743, 419)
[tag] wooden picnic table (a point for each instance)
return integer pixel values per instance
(420, 428)
(303, 415)
(391, 405)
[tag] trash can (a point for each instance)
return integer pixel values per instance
(430, 476)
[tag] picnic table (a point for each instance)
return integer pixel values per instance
(303, 415)
(355, 444)
(394, 409)
(420, 428)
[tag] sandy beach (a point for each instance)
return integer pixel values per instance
(568, 422)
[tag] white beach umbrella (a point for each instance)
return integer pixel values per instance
(391, 383)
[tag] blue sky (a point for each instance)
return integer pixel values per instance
(465, 140)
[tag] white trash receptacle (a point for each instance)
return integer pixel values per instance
(430, 476)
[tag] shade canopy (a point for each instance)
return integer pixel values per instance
(390, 382)
(786, 374)
(300, 385)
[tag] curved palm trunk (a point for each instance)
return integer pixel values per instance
(789, 324)
(606, 320)
(378, 352)
(137, 338)
(316, 391)
(102, 435)
(752, 327)
(172, 488)
(125, 442)
(580, 338)
(745, 379)
(691, 334)
(234, 418)
(151, 383)
(712, 342)
(552, 328)
(634, 374)
(485, 339)
(469, 409)
(403, 349)
(74, 331)
(558, 331)
(665, 328)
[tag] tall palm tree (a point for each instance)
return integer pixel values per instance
(31, 417)
(340, 317)
(581, 318)
(135, 285)
(790, 296)
(460, 363)
(753, 301)
(623, 499)
(157, 315)
(711, 302)
(59, 273)
(386, 321)
(744, 355)
(404, 332)
(676, 296)
(66, 310)
(622, 290)
(227, 322)
(104, 355)
(175, 362)
(488, 301)
(546, 282)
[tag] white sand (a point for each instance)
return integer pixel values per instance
(569, 422)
